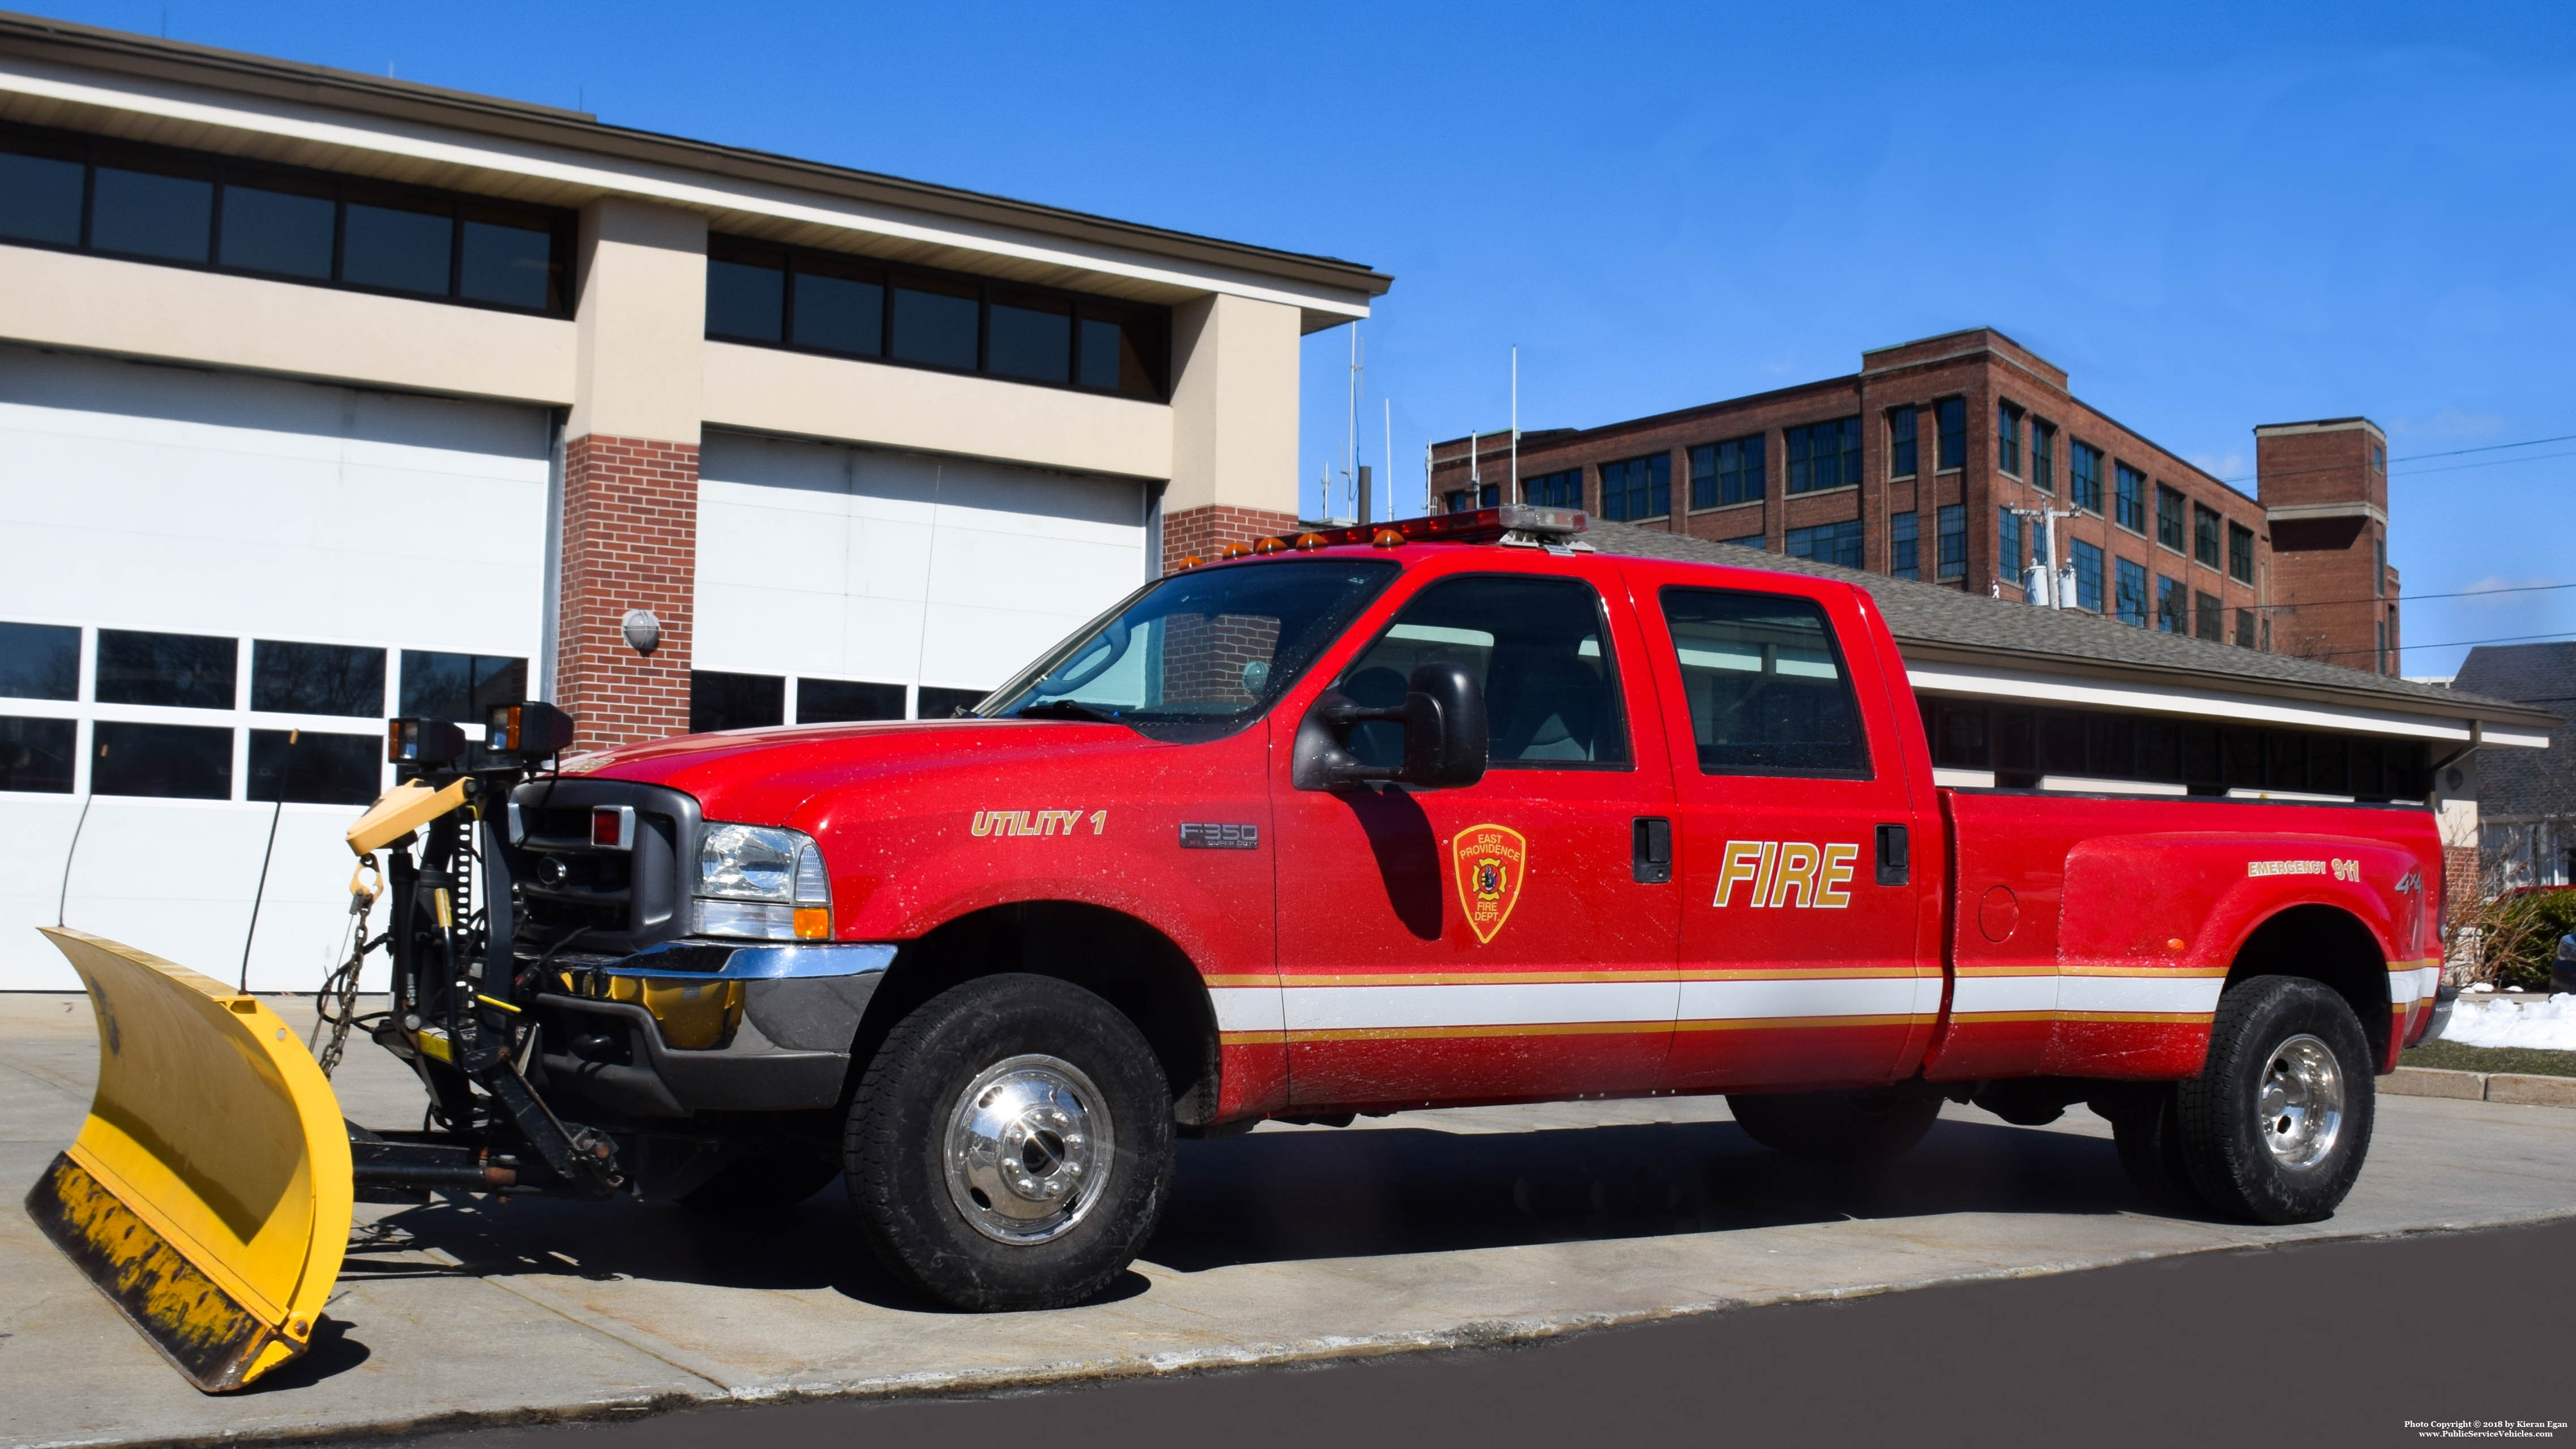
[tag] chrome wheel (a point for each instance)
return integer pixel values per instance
(1028, 1149)
(2300, 1102)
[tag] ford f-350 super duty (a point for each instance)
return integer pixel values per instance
(1458, 811)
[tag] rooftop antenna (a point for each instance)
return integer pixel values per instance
(1351, 439)
(1515, 495)
(1475, 476)
(1389, 434)
(1430, 505)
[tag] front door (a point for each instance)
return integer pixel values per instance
(1494, 941)
(1807, 953)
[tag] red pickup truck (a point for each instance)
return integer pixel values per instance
(1454, 811)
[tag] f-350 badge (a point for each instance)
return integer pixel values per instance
(1490, 861)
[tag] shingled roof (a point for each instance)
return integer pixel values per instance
(1932, 622)
(2527, 784)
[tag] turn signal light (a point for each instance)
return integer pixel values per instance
(813, 923)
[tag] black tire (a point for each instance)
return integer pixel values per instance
(1869, 1126)
(2288, 1032)
(2147, 1130)
(1083, 1074)
(770, 1182)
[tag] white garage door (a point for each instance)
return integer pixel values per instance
(825, 569)
(200, 568)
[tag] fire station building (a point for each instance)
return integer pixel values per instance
(326, 398)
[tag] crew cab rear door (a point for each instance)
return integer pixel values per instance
(1500, 940)
(1809, 870)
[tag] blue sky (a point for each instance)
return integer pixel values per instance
(2211, 216)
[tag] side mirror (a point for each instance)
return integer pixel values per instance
(1445, 742)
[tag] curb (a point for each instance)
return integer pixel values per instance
(2521, 1089)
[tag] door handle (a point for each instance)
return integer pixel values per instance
(1652, 859)
(1892, 856)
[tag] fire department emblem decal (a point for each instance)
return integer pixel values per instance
(1490, 861)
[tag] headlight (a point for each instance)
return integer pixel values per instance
(763, 882)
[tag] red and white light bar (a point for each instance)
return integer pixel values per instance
(1485, 525)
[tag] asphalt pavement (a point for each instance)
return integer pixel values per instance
(2350, 1344)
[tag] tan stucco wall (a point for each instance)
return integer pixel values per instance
(764, 389)
(1234, 405)
(641, 321)
(60, 299)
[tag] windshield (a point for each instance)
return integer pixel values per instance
(1203, 647)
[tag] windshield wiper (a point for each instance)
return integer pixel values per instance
(1066, 709)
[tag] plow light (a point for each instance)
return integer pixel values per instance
(528, 730)
(424, 742)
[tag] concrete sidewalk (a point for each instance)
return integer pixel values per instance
(1426, 1230)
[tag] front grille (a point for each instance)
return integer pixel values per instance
(621, 901)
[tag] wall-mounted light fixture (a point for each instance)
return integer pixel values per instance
(643, 632)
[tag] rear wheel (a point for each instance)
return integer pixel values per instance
(1878, 1125)
(2275, 1127)
(1010, 1145)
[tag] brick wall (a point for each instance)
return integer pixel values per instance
(630, 541)
(1204, 532)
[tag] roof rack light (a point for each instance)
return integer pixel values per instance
(1512, 523)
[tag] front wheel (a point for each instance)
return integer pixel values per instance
(1879, 1125)
(2275, 1127)
(1010, 1145)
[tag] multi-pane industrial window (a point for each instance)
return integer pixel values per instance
(1637, 488)
(1951, 525)
(2169, 518)
(2204, 534)
(2240, 553)
(1904, 538)
(1833, 543)
(193, 209)
(1750, 540)
(2084, 477)
(2131, 596)
(2207, 620)
(2173, 606)
(1467, 500)
(1824, 455)
(2129, 498)
(1950, 416)
(2245, 628)
(2088, 576)
(1562, 489)
(2009, 556)
(848, 307)
(1901, 460)
(2378, 567)
(2043, 457)
(2008, 438)
(1728, 472)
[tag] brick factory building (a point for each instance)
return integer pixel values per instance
(1927, 463)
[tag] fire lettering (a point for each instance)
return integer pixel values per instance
(1786, 873)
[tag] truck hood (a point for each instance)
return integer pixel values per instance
(763, 775)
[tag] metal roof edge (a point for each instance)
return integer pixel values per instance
(145, 57)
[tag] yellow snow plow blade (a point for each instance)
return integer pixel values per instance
(209, 1193)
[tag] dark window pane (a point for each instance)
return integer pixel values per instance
(938, 703)
(746, 300)
(317, 679)
(39, 661)
(1904, 542)
(404, 249)
(178, 762)
(934, 322)
(1555, 490)
(192, 671)
(840, 701)
(277, 231)
(40, 199)
(512, 264)
(459, 687)
(147, 214)
(1765, 685)
(1031, 337)
(36, 754)
(1121, 352)
(1833, 543)
(1535, 647)
(1900, 444)
(735, 701)
(839, 314)
(316, 768)
(1951, 416)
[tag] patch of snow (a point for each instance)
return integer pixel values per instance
(2546, 1025)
